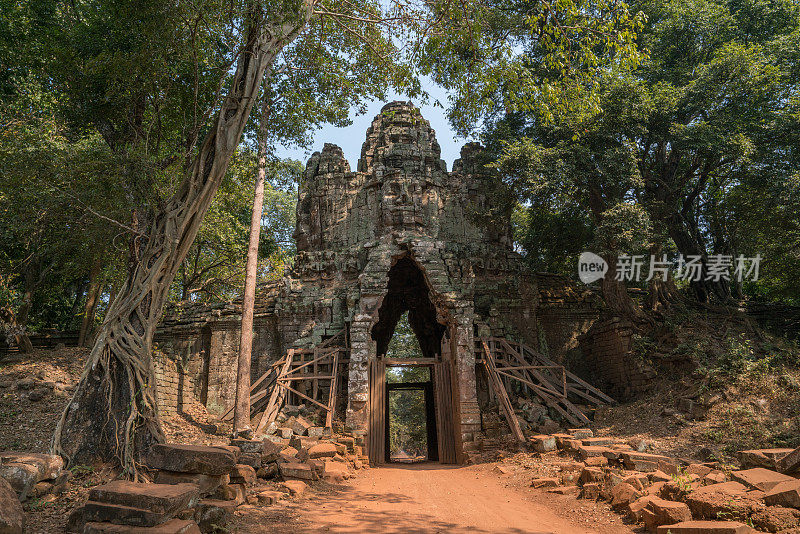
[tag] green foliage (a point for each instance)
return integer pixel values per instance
(700, 137)
(404, 343)
(527, 57)
(407, 416)
(213, 270)
(407, 430)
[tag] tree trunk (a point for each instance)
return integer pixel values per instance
(113, 413)
(616, 297)
(91, 303)
(21, 318)
(662, 292)
(241, 411)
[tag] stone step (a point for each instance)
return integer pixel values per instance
(173, 526)
(122, 515)
(159, 498)
(207, 483)
(191, 458)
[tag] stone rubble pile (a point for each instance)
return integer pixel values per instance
(23, 476)
(196, 487)
(533, 416)
(669, 495)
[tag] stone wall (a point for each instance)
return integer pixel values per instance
(606, 351)
(200, 344)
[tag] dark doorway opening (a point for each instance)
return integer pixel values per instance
(408, 293)
(410, 415)
(412, 369)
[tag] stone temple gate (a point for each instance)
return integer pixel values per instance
(398, 234)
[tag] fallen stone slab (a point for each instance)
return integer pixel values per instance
(705, 527)
(623, 494)
(300, 425)
(206, 484)
(212, 515)
(173, 526)
(191, 458)
(598, 442)
(12, 516)
(729, 498)
(789, 463)
(591, 474)
(48, 465)
(612, 454)
(288, 454)
(253, 459)
(295, 488)
(662, 512)
(596, 461)
(635, 508)
(760, 478)
(348, 441)
(322, 450)
(297, 470)
(332, 470)
(784, 494)
(543, 443)
(165, 499)
(248, 445)
(775, 519)
(548, 482)
(269, 497)
(315, 431)
(242, 474)
(580, 433)
(639, 481)
(588, 451)
(642, 461)
(591, 491)
(21, 477)
(766, 458)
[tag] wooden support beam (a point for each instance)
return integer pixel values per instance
(501, 394)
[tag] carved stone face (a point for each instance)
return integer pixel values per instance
(410, 202)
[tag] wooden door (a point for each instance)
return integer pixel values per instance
(445, 414)
(376, 438)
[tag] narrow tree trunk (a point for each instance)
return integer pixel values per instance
(241, 411)
(113, 413)
(91, 303)
(21, 322)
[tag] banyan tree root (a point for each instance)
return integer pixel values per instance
(113, 413)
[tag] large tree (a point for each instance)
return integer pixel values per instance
(113, 412)
(704, 127)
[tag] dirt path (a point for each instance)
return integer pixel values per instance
(431, 498)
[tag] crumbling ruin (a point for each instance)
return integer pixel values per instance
(399, 234)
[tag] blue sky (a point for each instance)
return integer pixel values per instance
(351, 137)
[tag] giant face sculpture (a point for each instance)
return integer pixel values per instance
(410, 202)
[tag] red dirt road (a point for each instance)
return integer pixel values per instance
(431, 498)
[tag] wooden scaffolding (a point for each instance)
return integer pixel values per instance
(508, 361)
(316, 368)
